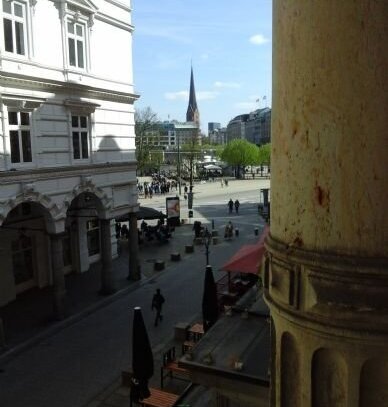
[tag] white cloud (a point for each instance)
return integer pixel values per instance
(181, 95)
(204, 56)
(258, 39)
(233, 85)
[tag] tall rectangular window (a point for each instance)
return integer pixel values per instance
(14, 26)
(93, 235)
(80, 134)
(76, 44)
(20, 137)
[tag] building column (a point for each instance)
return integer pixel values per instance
(58, 275)
(327, 284)
(107, 286)
(134, 272)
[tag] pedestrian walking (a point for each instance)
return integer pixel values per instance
(236, 205)
(230, 204)
(222, 183)
(157, 304)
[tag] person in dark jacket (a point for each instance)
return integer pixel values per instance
(157, 304)
(236, 205)
(230, 204)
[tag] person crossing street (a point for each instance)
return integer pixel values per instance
(157, 304)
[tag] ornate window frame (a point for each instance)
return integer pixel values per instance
(12, 102)
(29, 9)
(81, 12)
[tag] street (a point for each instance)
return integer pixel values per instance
(73, 366)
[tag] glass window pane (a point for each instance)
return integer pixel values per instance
(74, 121)
(15, 151)
(80, 54)
(93, 242)
(84, 142)
(18, 10)
(71, 52)
(12, 118)
(8, 39)
(24, 118)
(79, 30)
(19, 30)
(70, 28)
(7, 7)
(26, 145)
(84, 121)
(76, 152)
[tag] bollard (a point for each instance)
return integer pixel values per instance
(236, 232)
(256, 231)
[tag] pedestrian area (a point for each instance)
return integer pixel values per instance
(30, 317)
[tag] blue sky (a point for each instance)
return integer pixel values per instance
(229, 44)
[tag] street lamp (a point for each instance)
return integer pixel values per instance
(179, 162)
(207, 239)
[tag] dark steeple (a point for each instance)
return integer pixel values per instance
(192, 114)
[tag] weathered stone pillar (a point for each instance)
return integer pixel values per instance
(133, 246)
(327, 277)
(58, 275)
(107, 286)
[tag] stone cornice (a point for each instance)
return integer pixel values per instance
(64, 172)
(113, 21)
(57, 87)
(119, 4)
(316, 286)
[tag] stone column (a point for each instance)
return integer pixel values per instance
(58, 276)
(327, 284)
(107, 286)
(133, 246)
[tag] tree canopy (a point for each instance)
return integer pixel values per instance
(240, 152)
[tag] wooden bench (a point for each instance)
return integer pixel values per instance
(170, 366)
(160, 398)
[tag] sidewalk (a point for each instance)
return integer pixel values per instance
(30, 317)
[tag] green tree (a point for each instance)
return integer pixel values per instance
(264, 156)
(190, 152)
(240, 153)
(148, 131)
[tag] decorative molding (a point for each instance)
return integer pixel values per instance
(114, 21)
(29, 194)
(21, 102)
(86, 185)
(60, 87)
(119, 4)
(80, 106)
(314, 286)
(43, 173)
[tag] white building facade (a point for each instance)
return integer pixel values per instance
(67, 140)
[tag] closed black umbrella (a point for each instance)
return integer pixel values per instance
(142, 359)
(209, 300)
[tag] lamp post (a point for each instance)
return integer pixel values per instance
(207, 238)
(179, 162)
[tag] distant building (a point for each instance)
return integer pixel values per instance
(258, 127)
(254, 127)
(218, 136)
(213, 126)
(236, 128)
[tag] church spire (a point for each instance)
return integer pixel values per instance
(192, 114)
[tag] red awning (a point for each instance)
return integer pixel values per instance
(249, 257)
